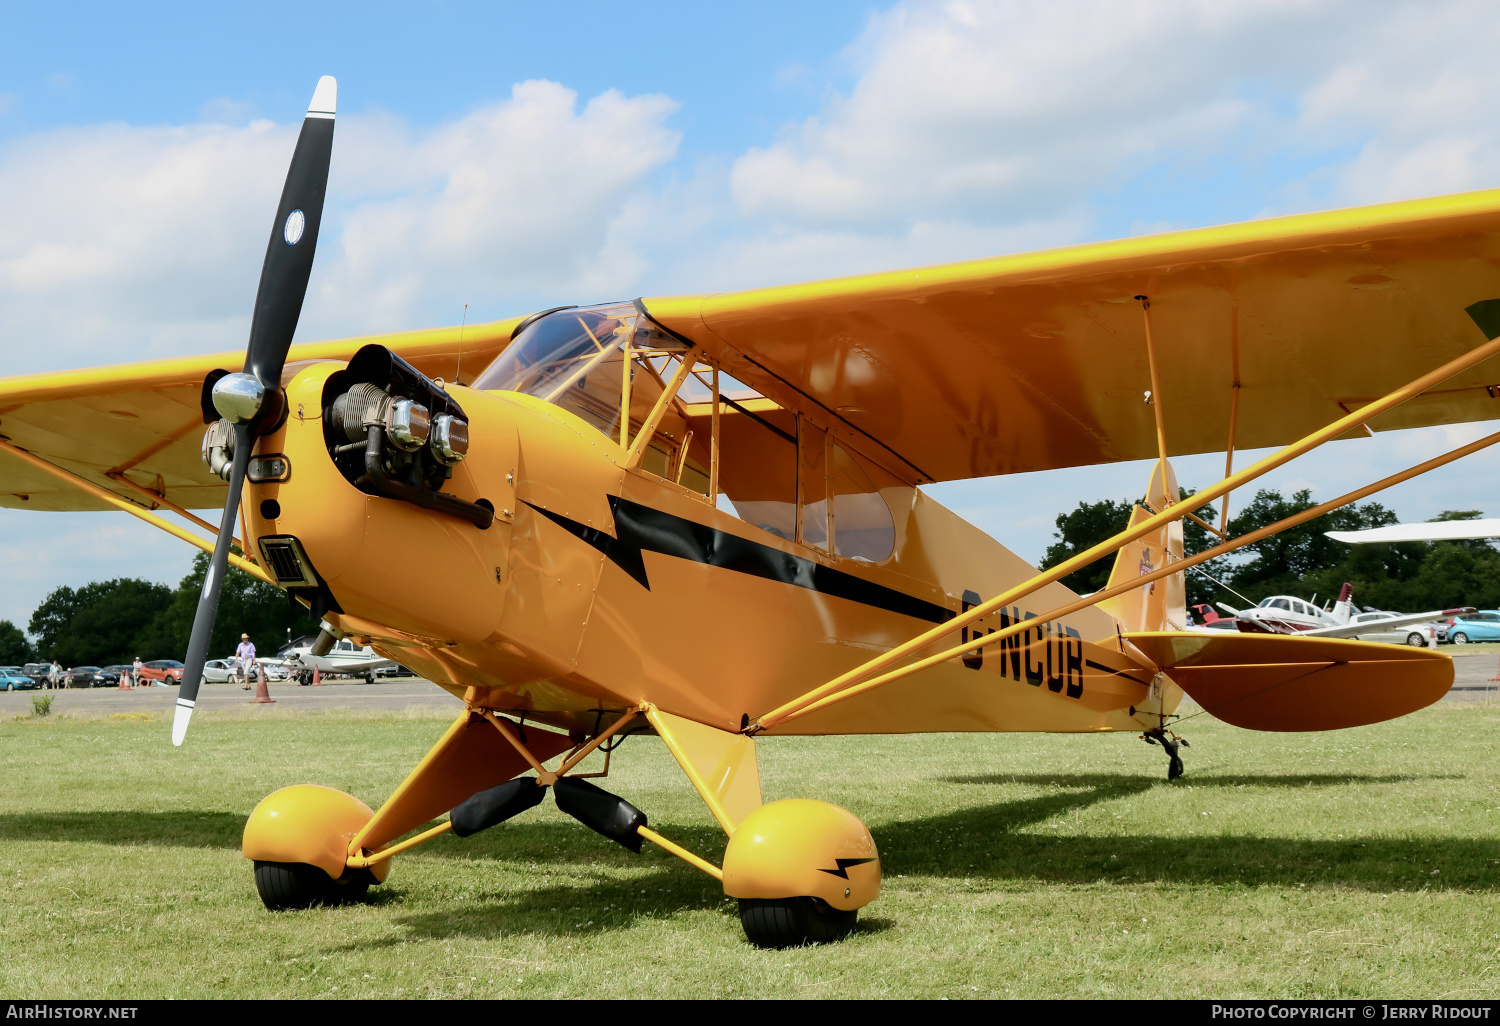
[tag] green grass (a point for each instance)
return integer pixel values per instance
(1362, 862)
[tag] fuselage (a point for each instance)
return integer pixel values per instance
(600, 585)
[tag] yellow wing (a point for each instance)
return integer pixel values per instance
(1038, 361)
(997, 366)
(144, 422)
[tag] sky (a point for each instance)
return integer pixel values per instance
(513, 157)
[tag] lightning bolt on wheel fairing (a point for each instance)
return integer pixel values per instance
(252, 400)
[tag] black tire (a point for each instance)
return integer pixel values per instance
(289, 885)
(1416, 640)
(1459, 639)
(793, 922)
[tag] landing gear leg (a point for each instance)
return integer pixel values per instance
(1171, 742)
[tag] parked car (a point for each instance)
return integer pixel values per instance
(168, 671)
(93, 677)
(37, 671)
(120, 670)
(1481, 626)
(12, 679)
(218, 671)
(1413, 634)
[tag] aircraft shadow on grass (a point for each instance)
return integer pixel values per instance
(996, 841)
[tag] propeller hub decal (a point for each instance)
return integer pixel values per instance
(296, 223)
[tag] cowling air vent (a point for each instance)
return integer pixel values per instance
(287, 562)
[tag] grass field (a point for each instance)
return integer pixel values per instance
(1364, 862)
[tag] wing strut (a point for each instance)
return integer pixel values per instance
(159, 499)
(105, 495)
(1155, 400)
(844, 686)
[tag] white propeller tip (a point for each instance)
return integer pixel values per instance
(180, 720)
(325, 99)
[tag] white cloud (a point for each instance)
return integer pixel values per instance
(520, 198)
(124, 242)
(1417, 94)
(999, 111)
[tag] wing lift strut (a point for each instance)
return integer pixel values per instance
(150, 517)
(884, 669)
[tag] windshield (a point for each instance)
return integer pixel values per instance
(574, 358)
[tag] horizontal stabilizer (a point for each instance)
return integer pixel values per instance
(1275, 682)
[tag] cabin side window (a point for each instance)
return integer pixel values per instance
(758, 463)
(807, 489)
(863, 525)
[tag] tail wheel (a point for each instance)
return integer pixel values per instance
(792, 922)
(289, 885)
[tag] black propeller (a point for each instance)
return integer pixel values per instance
(252, 400)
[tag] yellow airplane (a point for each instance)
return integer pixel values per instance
(701, 516)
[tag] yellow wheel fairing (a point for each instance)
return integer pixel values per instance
(308, 823)
(803, 848)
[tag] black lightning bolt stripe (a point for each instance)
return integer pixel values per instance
(844, 864)
(641, 529)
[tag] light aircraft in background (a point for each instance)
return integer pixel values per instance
(1287, 614)
(701, 517)
(327, 652)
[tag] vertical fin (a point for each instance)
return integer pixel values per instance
(1161, 605)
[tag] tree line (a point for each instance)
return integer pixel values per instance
(1401, 576)
(107, 622)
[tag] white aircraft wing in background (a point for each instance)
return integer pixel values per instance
(334, 663)
(1442, 530)
(1349, 630)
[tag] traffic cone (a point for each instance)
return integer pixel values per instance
(124, 684)
(317, 678)
(262, 696)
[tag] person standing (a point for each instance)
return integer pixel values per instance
(53, 673)
(135, 673)
(245, 655)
